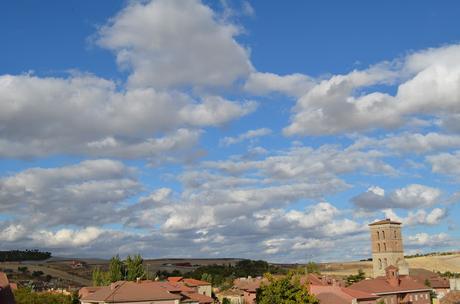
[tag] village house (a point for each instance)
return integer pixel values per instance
(329, 294)
(200, 287)
(439, 285)
(395, 288)
(6, 290)
(143, 292)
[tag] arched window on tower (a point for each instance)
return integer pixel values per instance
(383, 234)
(378, 245)
(385, 263)
(378, 235)
(380, 263)
(384, 246)
(395, 235)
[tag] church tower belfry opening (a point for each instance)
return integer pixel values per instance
(387, 247)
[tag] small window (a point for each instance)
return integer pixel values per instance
(380, 263)
(383, 234)
(384, 246)
(378, 245)
(385, 263)
(378, 235)
(395, 235)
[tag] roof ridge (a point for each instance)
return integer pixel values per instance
(114, 290)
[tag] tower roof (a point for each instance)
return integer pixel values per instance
(385, 221)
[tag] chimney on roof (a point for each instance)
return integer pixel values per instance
(392, 275)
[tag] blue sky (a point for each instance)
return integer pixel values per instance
(228, 128)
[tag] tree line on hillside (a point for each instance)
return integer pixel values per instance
(23, 255)
(222, 276)
(130, 269)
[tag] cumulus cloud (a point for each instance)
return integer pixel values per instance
(335, 105)
(264, 83)
(409, 143)
(67, 237)
(86, 115)
(175, 43)
(82, 194)
(418, 217)
(445, 163)
(251, 134)
(426, 240)
(409, 197)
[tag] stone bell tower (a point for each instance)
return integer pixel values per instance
(387, 247)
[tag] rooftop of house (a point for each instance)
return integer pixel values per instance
(385, 221)
(194, 283)
(248, 284)
(124, 291)
(146, 290)
(434, 279)
(383, 285)
(188, 282)
(202, 299)
(314, 279)
(346, 295)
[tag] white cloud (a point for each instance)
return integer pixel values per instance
(411, 142)
(264, 83)
(425, 239)
(251, 134)
(67, 237)
(418, 217)
(333, 106)
(171, 43)
(409, 197)
(86, 115)
(445, 163)
(81, 194)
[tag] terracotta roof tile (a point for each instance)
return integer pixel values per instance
(380, 285)
(131, 292)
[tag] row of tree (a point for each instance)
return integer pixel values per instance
(129, 270)
(24, 255)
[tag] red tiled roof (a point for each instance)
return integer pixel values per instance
(311, 279)
(380, 285)
(385, 221)
(342, 292)
(436, 281)
(202, 299)
(175, 279)
(131, 292)
(331, 298)
(193, 282)
(248, 284)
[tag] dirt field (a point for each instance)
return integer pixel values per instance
(47, 269)
(434, 263)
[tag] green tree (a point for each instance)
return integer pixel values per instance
(100, 278)
(206, 277)
(134, 267)
(226, 301)
(116, 269)
(351, 279)
(286, 290)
